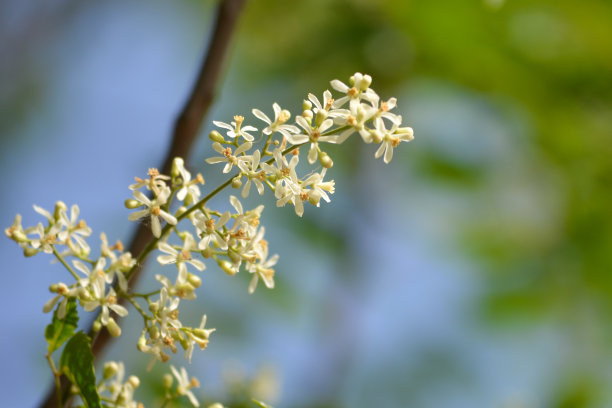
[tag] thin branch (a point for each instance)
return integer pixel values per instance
(185, 130)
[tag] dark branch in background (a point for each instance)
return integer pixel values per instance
(185, 130)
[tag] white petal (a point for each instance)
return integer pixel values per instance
(260, 115)
(155, 226)
(312, 153)
(388, 153)
(253, 283)
(339, 86)
(169, 218)
(51, 304)
(138, 215)
(223, 125)
(138, 195)
(380, 150)
(166, 259)
(120, 310)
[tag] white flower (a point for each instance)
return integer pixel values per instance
(245, 220)
(293, 193)
(262, 269)
(167, 312)
(383, 112)
(314, 136)
(359, 90)
(188, 188)
(249, 169)
(228, 157)
(320, 188)
(182, 257)
(155, 182)
(197, 336)
(75, 229)
(235, 128)
(185, 384)
(283, 172)
(95, 283)
(208, 230)
(154, 210)
(356, 119)
(278, 125)
(46, 239)
(64, 293)
(391, 138)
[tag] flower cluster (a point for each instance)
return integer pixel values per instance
(187, 233)
(327, 121)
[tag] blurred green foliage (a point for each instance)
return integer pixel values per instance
(551, 61)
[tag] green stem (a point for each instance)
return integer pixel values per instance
(140, 309)
(56, 378)
(145, 295)
(61, 259)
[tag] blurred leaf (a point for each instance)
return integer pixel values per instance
(60, 330)
(77, 364)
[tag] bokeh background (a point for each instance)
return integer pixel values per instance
(475, 270)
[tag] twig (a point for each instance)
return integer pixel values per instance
(185, 130)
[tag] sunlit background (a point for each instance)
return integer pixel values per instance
(475, 270)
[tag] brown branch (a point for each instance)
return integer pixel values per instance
(186, 128)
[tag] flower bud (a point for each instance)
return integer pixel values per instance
(283, 116)
(236, 182)
(365, 83)
(19, 236)
(134, 381)
(216, 136)
(142, 344)
(184, 342)
(182, 208)
(233, 255)
(226, 266)
(194, 280)
(109, 370)
(96, 326)
(154, 332)
(28, 252)
(306, 105)
(54, 288)
(59, 207)
(167, 381)
(130, 203)
(153, 307)
(177, 164)
(325, 160)
(113, 328)
(320, 117)
(206, 252)
(307, 114)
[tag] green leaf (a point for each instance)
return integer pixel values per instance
(260, 404)
(77, 363)
(60, 330)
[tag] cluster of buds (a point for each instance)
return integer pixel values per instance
(114, 389)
